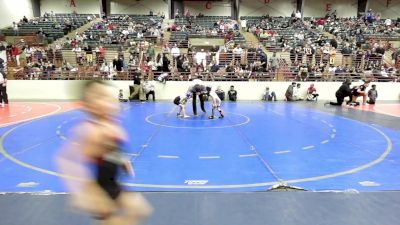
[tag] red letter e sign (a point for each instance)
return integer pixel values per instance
(328, 7)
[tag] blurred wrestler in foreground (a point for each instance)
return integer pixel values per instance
(90, 162)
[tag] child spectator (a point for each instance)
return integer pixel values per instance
(121, 96)
(232, 94)
(372, 95)
(312, 93)
(269, 96)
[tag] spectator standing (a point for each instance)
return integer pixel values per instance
(89, 54)
(3, 89)
(346, 55)
(118, 64)
(3, 52)
(78, 54)
(165, 63)
(274, 63)
(237, 53)
(175, 52)
(15, 54)
(15, 29)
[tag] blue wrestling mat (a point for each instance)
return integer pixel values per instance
(254, 147)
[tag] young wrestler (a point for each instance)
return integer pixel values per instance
(181, 101)
(90, 162)
(359, 91)
(372, 95)
(216, 103)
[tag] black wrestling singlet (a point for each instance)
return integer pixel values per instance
(107, 172)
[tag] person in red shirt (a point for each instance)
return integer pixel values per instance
(258, 31)
(102, 52)
(321, 23)
(229, 36)
(15, 54)
(173, 27)
(312, 93)
(74, 43)
(110, 26)
(271, 33)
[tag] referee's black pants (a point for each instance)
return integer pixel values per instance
(194, 102)
(3, 94)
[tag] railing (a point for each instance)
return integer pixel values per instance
(205, 76)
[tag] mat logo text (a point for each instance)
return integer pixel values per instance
(196, 182)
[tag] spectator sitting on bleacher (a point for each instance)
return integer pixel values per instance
(28, 54)
(78, 54)
(118, 63)
(237, 53)
(175, 52)
(214, 67)
(67, 66)
(15, 29)
(229, 36)
(201, 58)
(25, 20)
(89, 54)
(182, 64)
(264, 35)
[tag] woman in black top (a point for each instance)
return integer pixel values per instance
(344, 91)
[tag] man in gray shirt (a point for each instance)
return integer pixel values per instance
(289, 92)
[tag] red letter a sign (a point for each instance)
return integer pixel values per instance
(72, 4)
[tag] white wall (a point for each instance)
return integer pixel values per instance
(14, 11)
(138, 7)
(64, 90)
(63, 6)
(390, 10)
(262, 7)
(318, 8)
(218, 8)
